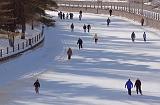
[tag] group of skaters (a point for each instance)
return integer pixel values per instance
(133, 36)
(137, 85)
(85, 27)
(80, 45)
(62, 15)
(128, 85)
(109, 20)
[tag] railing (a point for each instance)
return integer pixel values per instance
(21, 47)
(120, 6)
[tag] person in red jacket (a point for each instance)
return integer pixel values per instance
(138, 86)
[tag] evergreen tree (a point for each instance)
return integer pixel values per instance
(18, 13)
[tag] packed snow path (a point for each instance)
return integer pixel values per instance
(95, 75)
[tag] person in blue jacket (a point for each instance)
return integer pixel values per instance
(129, 86)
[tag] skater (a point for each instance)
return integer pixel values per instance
(129, 86)
(80, 17)
(84, 27)
(110, 12)
(80, 12)
(142, 21)
(60, 15)
(71, 15)
(37, 86)
(80, 42)
(108, 21)
(133, 36)
(67, 15)
(138, 86)
(63, 15)
(88, 27)
(144, 37)
(72, 27)
(95, 38)
(69, 53)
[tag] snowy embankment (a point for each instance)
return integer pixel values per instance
(95, 75)
(32, 39)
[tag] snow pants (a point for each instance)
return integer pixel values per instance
(138, 89)
(129, 92)
(80, 46)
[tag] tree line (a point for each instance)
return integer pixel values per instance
(15, 14)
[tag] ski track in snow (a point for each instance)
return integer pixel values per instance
(95, 75)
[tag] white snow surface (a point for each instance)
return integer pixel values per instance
(95, 75)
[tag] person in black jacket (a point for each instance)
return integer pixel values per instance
(88, 27)
(110, 12)
(72, 27)
(133, 36)
(138, 86)
(37, 86)
(84, 27)
(142, 21)
(80, 42)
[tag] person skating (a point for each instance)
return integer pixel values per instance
(95, 38)
(110, 12)
(144, 37)
(142, 21)
(37, 86)
(108, 21)
(69, 53)
(67, 15)
(129, 86)
(138, 86)
(72, 27)
(88, 27)
(80, 12)
(133, 36)
(84, 27)
(63, 15)
(60, 15)
(71, 15)
(80, 17)
(80, 42)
